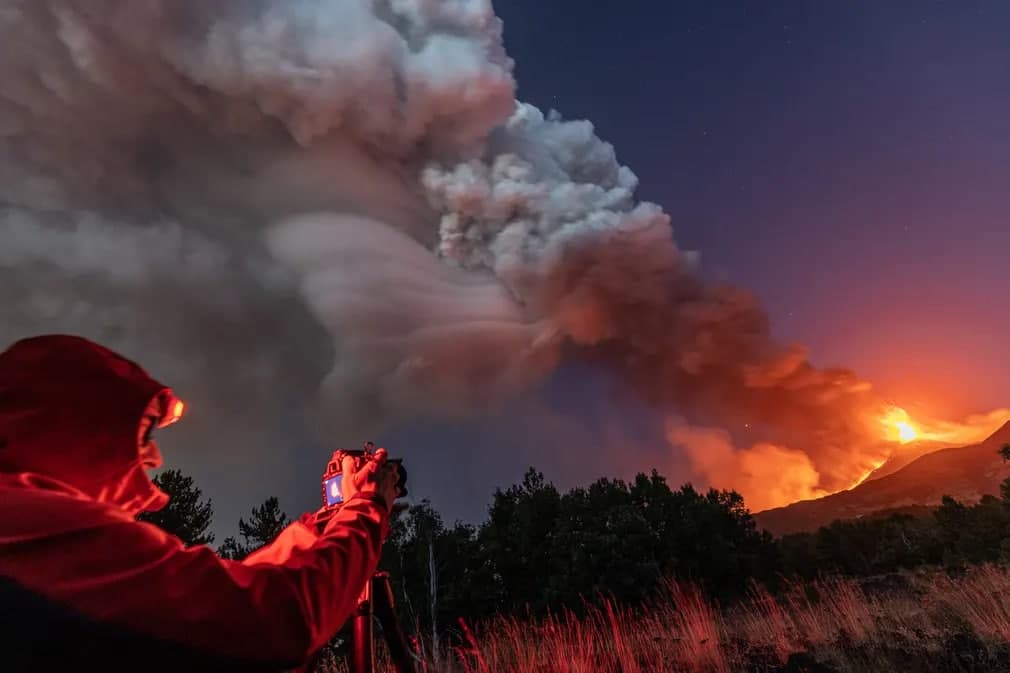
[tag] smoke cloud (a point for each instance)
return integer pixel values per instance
(766, 475)
(221, 182)
(266, 199)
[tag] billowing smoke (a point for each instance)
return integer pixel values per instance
(179, 177)
(261, 197)
(766, 475)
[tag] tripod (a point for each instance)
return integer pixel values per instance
(377, 601)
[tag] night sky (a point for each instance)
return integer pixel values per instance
(848, 162)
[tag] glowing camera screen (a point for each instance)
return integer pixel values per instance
(332, 489)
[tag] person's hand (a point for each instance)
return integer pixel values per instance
(375, 477)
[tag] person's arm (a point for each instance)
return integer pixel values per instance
(300, 534)
(135, 575)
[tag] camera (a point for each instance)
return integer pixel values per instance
(333, 475)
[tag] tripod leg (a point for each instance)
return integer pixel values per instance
(362, 643)
(396, 641)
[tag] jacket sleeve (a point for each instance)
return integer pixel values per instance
(279, 608)
(295, 537)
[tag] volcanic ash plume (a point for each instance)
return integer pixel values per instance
(276, 195)
(550, 211)
(178, 178)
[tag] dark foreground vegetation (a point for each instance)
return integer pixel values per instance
(638, 576)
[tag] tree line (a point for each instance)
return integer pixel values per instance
(541, 550)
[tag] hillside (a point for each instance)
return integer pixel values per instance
(966, 473)
(903, 455)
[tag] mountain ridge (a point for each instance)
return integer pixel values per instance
(965, 473)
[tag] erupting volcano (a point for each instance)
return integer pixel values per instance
(342, 202)
(903, 426)
(914, 438)
(899, 426)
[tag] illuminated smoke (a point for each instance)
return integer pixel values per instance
(970, 430)
(258, 198)
(766, 475)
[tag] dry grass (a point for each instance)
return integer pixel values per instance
(983, 601)
(840, 621)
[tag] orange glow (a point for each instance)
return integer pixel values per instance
(866, 475)
(766, 475)
(175, 412)
(906, 433)
(899, 427)
(769, 475)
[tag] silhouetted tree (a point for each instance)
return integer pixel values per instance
(952, 535)
(622, 540)
(187, 516)
(540, 550)
(515, 543)
(438, 571)
(863, 547)
(266, 522)
(602, 544)
(232, 549)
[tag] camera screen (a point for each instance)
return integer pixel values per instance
(332, 488)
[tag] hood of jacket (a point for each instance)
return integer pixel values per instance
(70, 415)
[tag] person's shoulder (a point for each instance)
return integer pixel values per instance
(29, 511)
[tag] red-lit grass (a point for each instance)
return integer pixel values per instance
(983, 601)
(679, 630)
(682, 630)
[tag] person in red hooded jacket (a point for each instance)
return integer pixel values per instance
(82, 581)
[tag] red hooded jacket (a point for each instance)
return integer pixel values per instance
(82, 580)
